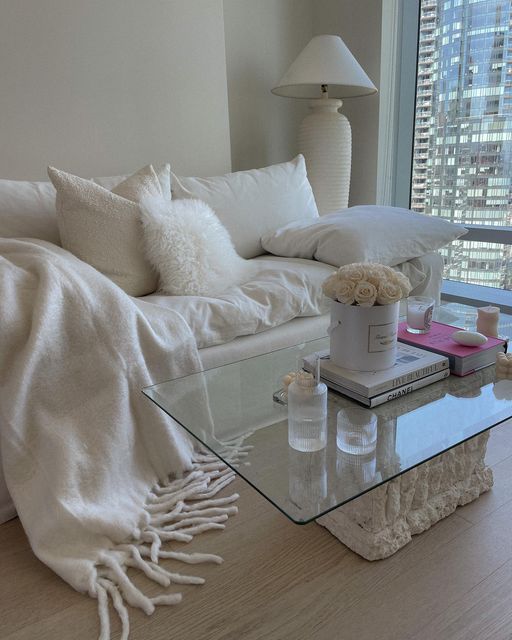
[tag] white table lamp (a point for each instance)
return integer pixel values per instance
(324, 72)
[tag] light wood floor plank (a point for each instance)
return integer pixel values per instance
(484, 613)
(280, 581)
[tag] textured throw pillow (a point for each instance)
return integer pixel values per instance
(367, 233)
(27, 208)
(103, 227)
(189, 248)
(251, 203)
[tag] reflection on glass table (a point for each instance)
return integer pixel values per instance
(232, 406)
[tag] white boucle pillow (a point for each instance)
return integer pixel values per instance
(254, 202)
(103, 227)
(189, 248)
(366, 233)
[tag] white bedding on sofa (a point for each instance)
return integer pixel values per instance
(280, 290)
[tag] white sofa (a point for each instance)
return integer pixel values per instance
(281, 305)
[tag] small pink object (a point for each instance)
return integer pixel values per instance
(504, 366)
(487, 321)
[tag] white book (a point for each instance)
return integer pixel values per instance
(392, 394)
(411, 365)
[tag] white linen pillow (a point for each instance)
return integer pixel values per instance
(252, 203)
(366, 233)
(27, 208)
(189, 248)
(103, 227)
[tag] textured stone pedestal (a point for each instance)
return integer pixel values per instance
(383, 520)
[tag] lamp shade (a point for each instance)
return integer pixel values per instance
(326, 60)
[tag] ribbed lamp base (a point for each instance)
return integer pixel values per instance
(325, 140)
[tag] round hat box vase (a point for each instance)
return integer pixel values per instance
(363, 338)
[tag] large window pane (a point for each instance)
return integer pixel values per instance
(462, 159)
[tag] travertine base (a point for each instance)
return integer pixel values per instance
(382, 521)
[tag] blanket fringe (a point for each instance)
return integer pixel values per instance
(177, 511)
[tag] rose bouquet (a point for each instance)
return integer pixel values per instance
(366, 284)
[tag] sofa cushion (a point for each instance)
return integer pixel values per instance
(367, 233)
(103, 227)
(27, 208)
(189, 248)
(251, 203)
(281, 289)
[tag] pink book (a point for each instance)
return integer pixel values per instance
(463, 360)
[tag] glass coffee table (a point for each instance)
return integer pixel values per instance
(428, 459)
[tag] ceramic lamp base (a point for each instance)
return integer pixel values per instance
(325, 140)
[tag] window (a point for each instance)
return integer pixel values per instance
(461, 138)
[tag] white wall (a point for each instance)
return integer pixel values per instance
(263, 37)
(103, 87)
(358, 22)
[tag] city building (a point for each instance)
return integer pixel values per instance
(462, 159)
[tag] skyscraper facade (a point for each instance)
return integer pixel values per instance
(462, 157)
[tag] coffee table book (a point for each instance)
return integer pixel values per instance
(463, 360)
(414, 368)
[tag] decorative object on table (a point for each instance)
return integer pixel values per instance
(281, 395)
(324, 72)
(364, 315)
(504, 366)
(356, 431)
(307, 413)
(488, 320)
(463, 360)
(414, 368)
(469, 338)
(419, 314)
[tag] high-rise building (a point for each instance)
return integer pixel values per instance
(462, 158)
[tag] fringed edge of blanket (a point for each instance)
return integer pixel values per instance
(176, 511)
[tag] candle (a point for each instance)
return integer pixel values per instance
(487, 321)
(419, 314)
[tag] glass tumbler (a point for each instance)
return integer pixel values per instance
(356, 430)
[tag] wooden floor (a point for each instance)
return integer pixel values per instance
(280, 581)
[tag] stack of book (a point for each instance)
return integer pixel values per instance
(463, 360)
(414, 368)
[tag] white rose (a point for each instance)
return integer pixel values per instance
(403, 282)
(365, 294)
(389, 292)
(345, 291)
(355, 272)
(374, 275)
(329, 286)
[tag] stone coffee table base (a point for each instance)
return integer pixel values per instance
(382, 521)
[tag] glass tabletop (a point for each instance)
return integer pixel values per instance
(232, 411)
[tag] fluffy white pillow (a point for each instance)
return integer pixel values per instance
(103, 227)
(367, 233)
(189, 248)
(27, 208)
(251, 203)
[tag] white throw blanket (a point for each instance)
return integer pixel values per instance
(86, 456)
